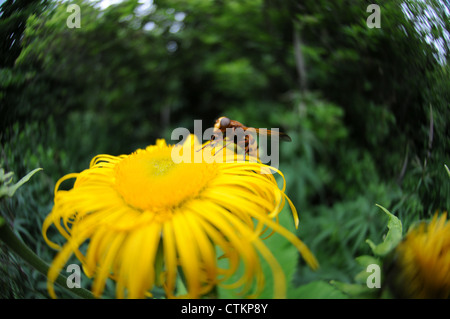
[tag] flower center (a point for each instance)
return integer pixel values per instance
(150, 180)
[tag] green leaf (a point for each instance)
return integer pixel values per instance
(5, 178)
(317, 290)
(354, 290)
(10, 190)
(366, 260)
(287, 257)
(285, 253)
(393, 237)
(448, 171)
(181, 288)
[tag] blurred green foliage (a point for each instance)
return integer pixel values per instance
(367, 109)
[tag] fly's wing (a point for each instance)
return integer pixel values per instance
(282, 136)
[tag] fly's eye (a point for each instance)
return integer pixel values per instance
(224, 122)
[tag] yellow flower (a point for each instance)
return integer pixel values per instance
(143, 220)
(422, 264)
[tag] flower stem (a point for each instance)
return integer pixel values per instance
(16, 245)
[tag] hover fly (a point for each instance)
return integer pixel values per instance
(249, 143)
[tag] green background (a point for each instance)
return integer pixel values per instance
(367, 109)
